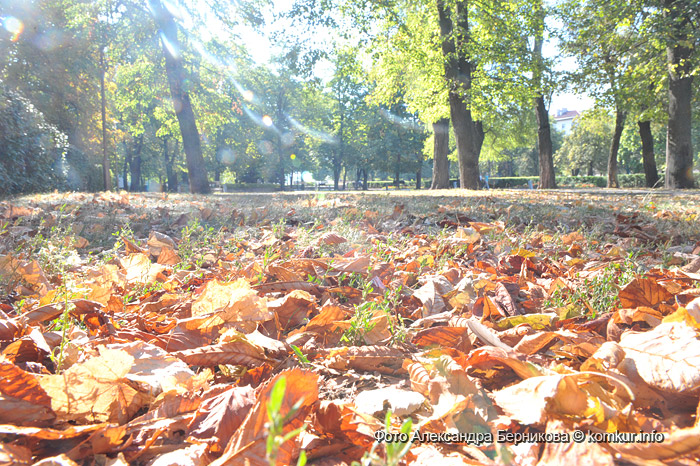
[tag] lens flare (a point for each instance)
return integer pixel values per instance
(267, 120)
(226, 156)
(405, 123)
(14, 26)
(172, 48)
(265, 147)
(321, 136)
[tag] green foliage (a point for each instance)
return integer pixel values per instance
(33, 150)
(303, 360)
(585, 150)
(195, 239)
(632, 180)
(361, 323)
(598, 294)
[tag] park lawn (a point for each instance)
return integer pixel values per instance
(137, 326)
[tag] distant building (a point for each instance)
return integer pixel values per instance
(564, 119)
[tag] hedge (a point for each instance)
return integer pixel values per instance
(634, 180)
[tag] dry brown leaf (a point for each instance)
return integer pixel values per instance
(381, 359)
(157, 242)
(249, 442)
(430, 297)
(667, 357)
(331, 238)
(29, 271)
(358, 265)
(292, 309)
(643, 292)
(239, 352)
(96, 390)
(232, 302)
(488, 356)
(450, 337)
(154, 368)
(218, 417)
(23, 401)
(577, 395)
(571, 238)
(336, 419)
(139, 269)
(8, 327)
(283, 274)
(505, 300)
(419, 376)
(15, 455)
(168, 257)
(485, 308)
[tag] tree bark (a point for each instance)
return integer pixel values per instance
(127, 163)
(105, 156)
(419, 174)
(169, 170)
(544, 133)
(197, 171)
(441, 148)
(679, 149)
(614, 147)
(544, 146)
(135, 165)
(651, 174)
(458, 72)
(397, 170)
(337, 168)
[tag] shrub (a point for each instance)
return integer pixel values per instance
(30, 147)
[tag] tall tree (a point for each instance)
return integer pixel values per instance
(544, 133)
(459, 66)
(196, 169)
(600, 36)
(682, 37)
(441, 148)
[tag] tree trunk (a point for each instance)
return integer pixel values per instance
(441, 148)
(135, 165)
(169, 169)
(105, 157)
(679, 149)
(544, 133)
(614, 147)
(337, 168)
(397, 170)
(544, 146)
(364, 179)
(197, 171)
(127, 163)
(458, 72)
(651, 174)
